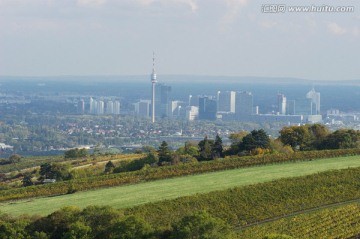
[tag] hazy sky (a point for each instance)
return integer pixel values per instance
(202, 37)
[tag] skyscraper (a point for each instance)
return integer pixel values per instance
(142, 108)
(226, 101)
(207, 108)
(116, 107)
(153, 82)
(281, 100)
(162, 100)
(315, 101)
(244, 104)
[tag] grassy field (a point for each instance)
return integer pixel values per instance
(132, 195)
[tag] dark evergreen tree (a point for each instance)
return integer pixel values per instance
(165, 155)
(218, 147)
(27, 181)
(45, 171)
(256, 139)
(205, 149)
(109, 167)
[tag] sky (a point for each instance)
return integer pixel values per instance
(189, 37)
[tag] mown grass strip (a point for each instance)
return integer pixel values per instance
(151, 174)
(137, 194)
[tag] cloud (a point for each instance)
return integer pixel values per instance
(90, 2)
(192, 4)
(355, 31)
(233, 9)
(336, 29)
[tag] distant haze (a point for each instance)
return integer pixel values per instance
(190, 37)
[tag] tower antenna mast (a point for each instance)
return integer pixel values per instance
(153, 82)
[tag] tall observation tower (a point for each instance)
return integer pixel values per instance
(153, 82)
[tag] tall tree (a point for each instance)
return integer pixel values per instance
(218, 147)
(205, 149)
(256, 139)
(201, 225)
(165, 155)
(109, 167)
(298, 137)
(27, 181)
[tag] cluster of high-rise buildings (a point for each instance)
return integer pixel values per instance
(101, 107)
(230, 105)
(227, 105)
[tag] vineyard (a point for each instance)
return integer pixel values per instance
(131, 195)
(254, 203)
(150, 174)
(342, 222)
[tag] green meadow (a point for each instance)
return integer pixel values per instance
(136, 194)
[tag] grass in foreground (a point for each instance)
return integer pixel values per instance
(132, 195)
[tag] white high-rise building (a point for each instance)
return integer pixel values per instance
(109, 107)
(226, 101)
(192, 113)
(315, 101)
(142, 108)
(116, 110)
(100, 107)
(281, 99)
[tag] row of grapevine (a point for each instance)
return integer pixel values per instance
(250, 204)
(166, 172)
(342, 222)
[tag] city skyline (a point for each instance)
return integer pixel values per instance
(193, 37)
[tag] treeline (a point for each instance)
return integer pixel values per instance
(212, 215)
(155, 173)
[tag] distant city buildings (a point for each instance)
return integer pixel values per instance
(281, 100)
(244, 104)
(226, 101)
(143, 108)
(162, 100)
(192, 113)
(100, 107)
(207, 108)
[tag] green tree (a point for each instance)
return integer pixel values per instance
(78, 230)
(236, 139)
(76, 153)
(218, 147)
(109, 167)
(318, 134)
(256, 139)
(45, 171)
(27, 180)
(342, 139)
(205, 149)
(14, 159)
(191, 149)
(100, 219)
(131, 228)
(58, 171)
(201, 225)
(298, 137)
(57, 223)
(165, 155)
